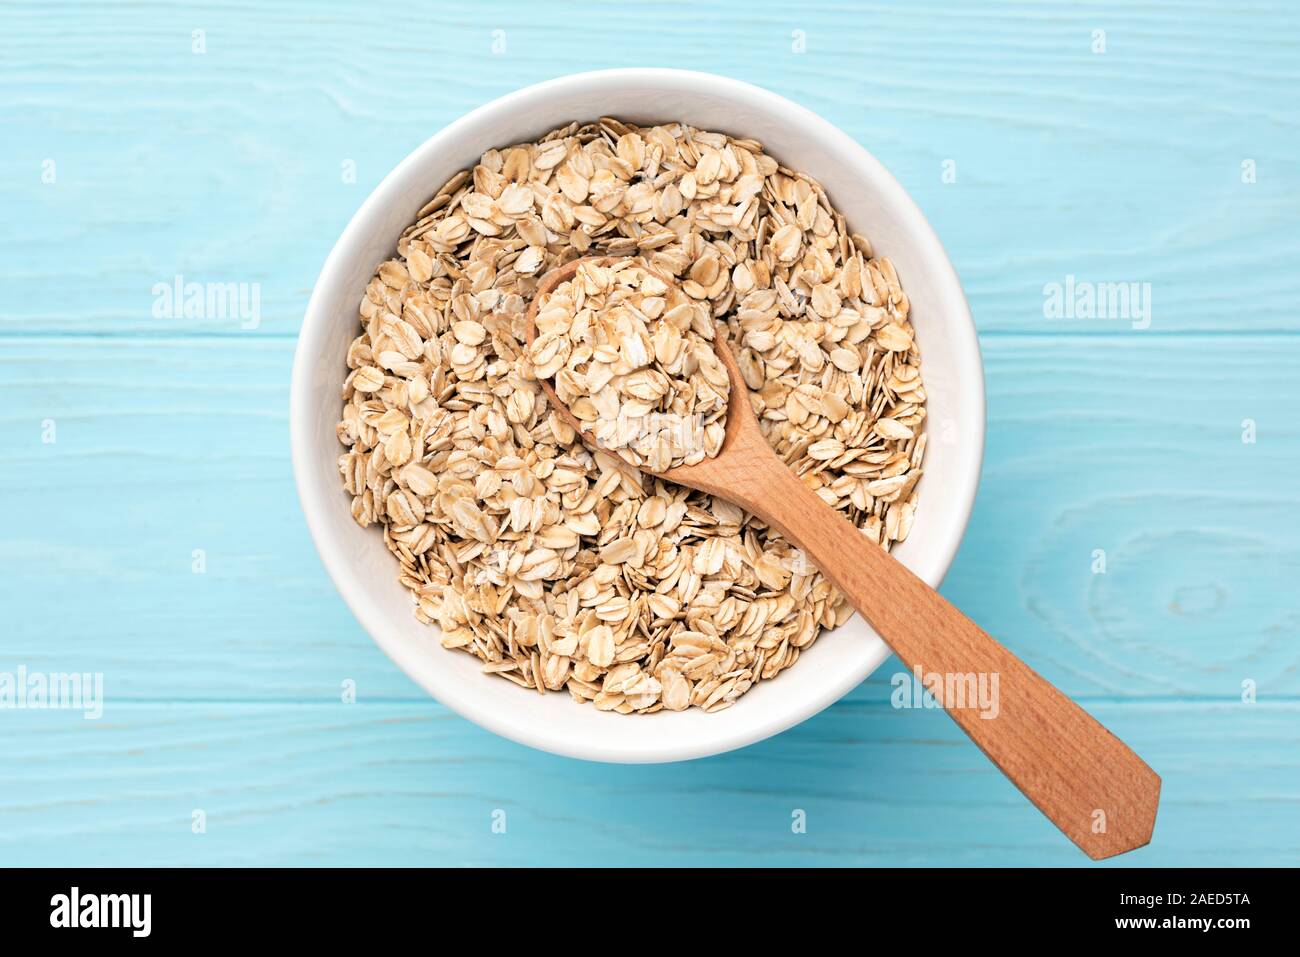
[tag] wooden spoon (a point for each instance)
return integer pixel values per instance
(1086, 780)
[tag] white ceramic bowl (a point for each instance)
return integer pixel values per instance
(875, 205)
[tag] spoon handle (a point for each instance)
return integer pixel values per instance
(1086, 780)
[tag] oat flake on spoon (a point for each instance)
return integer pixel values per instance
(632, 357)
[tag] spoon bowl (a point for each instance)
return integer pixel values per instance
(743, 437)
(1083, 778)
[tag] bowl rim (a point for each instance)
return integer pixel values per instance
(936, 561)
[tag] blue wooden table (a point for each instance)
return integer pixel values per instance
(1136, 536)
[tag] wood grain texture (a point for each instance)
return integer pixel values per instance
(407, 784)
(228, 165)
(171, 433)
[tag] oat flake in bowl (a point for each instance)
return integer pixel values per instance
(563, 568)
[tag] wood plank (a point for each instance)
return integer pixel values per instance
(227, 166)
(407, 784)
(1129, 444)
(1136, 449)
